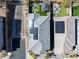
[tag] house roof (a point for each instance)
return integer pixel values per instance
(40, 20)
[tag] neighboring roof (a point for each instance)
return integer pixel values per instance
(41, 19)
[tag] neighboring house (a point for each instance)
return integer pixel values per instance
(39, 40)
(66, 30)
(64, 34)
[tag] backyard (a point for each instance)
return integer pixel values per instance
(75, 9)
(63, 9)
(38, 8)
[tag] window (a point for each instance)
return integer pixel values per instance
(59, 27)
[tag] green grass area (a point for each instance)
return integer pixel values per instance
(63, 9)
(43, 13)
(75, 9)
